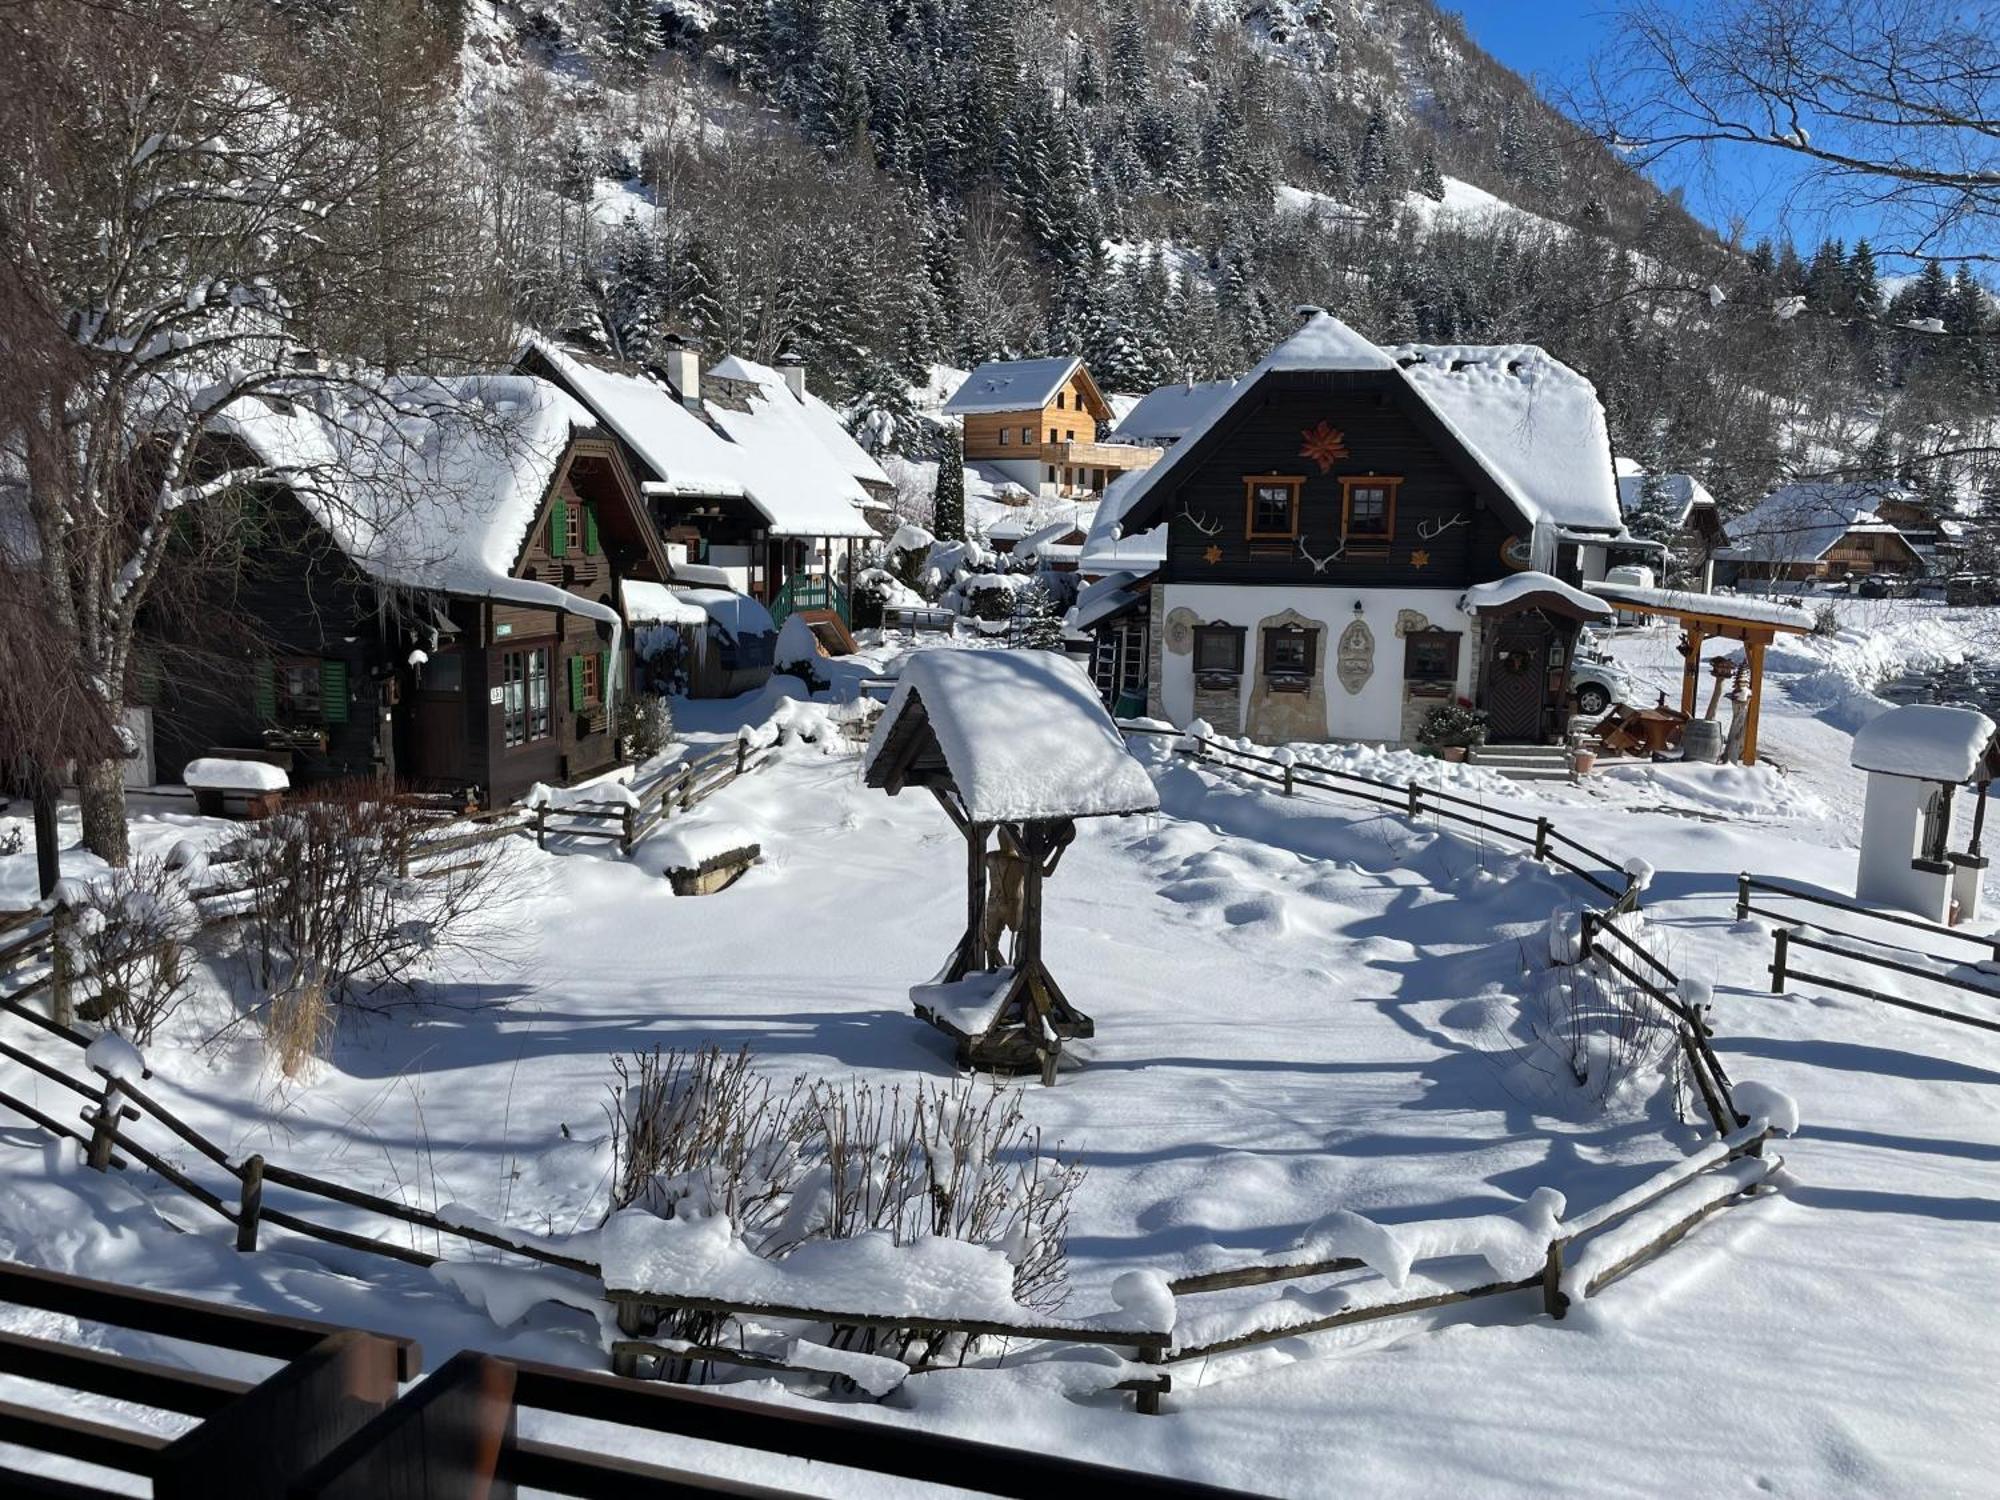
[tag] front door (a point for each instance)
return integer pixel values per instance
(1517, 674)
(436, 743)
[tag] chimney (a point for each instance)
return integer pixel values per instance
(1307, 311)
(682, 364)
(793, 369)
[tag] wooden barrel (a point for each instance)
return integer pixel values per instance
(1701, 740)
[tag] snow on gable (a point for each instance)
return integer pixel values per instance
(1531, 421)
(1011, 385)
(1023, 734)
(1928, 741)
(1166, 413)
(424, 483)
(1799, 523)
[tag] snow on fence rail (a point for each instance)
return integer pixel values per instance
(1413, 799)
(1785, 939)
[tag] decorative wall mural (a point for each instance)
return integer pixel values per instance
(1357, 656)
(1408, 620)
(1180, 630)
(1324, 445)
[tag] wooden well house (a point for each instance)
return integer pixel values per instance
(1016, 747)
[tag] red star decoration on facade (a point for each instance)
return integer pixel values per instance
(1324, 445)
(1420, 558)
(1212, 555)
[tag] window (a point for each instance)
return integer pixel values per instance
(1005, 433)
(1052, 434)
(572, 523)
(297, 681)
(1069, 436)
(1218, 650)
(592, 690)
(1061, 397)
(1368, 510)
(1430, 655)
(524, 695)
(1290, 652)
(1271, 506)
(1028, 435)
(1052, 473)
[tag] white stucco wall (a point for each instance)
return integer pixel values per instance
(1374, 713)
(1892, 825)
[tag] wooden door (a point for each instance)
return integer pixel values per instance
(437, 713)
(1517, 675)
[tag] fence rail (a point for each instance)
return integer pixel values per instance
(1783, 970)
(1746, 883)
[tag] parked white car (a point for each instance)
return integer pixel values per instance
(1596, 681)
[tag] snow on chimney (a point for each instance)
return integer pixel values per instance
(683, 368)
(794, 370)
(1307, 311)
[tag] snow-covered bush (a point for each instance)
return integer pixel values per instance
(1826, 620)
(1037, 617)
(702, 1134)
(646, 725)
(129, 947)
(1453, 725)
(797, 654)
(333, 916)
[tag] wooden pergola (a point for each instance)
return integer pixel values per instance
(1013, 744)
(1705, 617)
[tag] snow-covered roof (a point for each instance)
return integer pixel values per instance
(775, 453)
(1102, 598)
(1519, 587)
(424, 483)
(702, 575)
(736, 614)
(824, 421)
(1717, 606)
(1164, 415)
(649, 603)
(1531, 422)
(1800, 523)
(1043, 538)
(1021, 732)
(1930, 741)
(1011, 385)
(1683, 493)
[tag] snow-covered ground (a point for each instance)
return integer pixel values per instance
(1301, 1005)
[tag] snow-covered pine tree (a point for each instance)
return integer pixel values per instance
(628, 34)
(948, 492)
(1037, 618)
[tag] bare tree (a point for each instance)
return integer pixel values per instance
(181, 200)
(1888, 106)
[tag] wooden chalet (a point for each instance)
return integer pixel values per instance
(1814, 531)
(435, 601)
(1037, 423)
(1354, 535)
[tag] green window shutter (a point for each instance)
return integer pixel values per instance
(266, 692)
(590, 543)
(558, 527)
(576, 682)
(333, 690)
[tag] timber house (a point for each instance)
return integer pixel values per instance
(1355, 534)
(1036, 423)
(434, 602)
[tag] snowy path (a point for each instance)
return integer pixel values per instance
(1300, 1006)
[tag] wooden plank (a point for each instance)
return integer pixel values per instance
(1794, 972)
(1673, 1236)
(17, 1484)
(117, 1376)
(1356, 1315)
(1131, 1338)
(268, 1435)
(185, 1318)
(1980, 940)
(445, 1440)
(597, 1476)
(79, 1438)
(341, 1237)
(1222, 1281)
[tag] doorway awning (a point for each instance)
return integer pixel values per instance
(1530, 590)
(1754, 622)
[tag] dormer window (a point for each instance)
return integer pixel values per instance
(1368, 510)
(1271, 506)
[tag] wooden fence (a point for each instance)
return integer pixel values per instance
(1787, 940)
(330, 1423)
(674, 789)
(1414, 799)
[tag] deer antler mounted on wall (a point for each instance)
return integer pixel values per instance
(1430, 531)
(1320, 564)
(1201, 522)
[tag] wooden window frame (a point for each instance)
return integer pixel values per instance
(593, 690)
(1235, 634)
(1370, 542)
(1005, 434)
(534, 716)
(1296, 483)
(291, 709)
(1455, 639)
(1027, 437)
(1288, 680)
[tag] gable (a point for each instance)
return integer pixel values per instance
(594, 473)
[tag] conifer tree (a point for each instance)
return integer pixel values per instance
(948, 494)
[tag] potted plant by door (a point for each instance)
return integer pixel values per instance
(1450, 730)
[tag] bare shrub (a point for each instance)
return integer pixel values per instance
(131, 947)
(336, 915)
(1826, 620)
(702, 1133)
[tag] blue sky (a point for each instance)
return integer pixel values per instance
(1552, 41)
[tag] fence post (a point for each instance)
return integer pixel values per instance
(742, 755)
(627, 839)
(62, 1004)
(1416, 802)
(1586, 931)
(1743, 899)
(403, 852)
(104, 1128)
(251, 1205)
(1542, 826)
(1781, 944)
(1288, 780)
(541, 825)
(1554, 1303)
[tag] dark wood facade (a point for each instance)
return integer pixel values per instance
(336, 675)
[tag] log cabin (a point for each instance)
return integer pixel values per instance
(433, 600)
(1038, 423)
(1817, 530)
(1356, 534)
